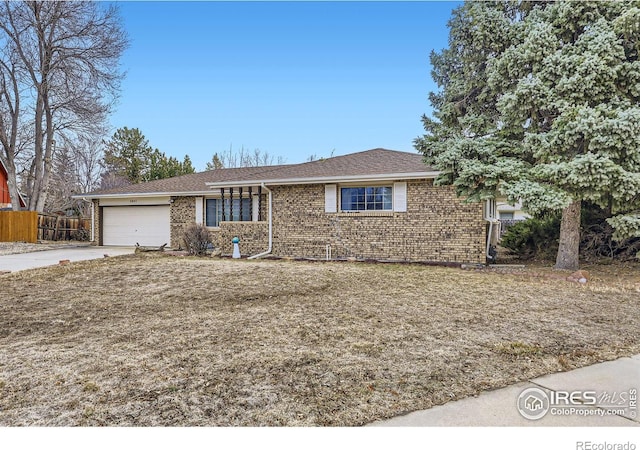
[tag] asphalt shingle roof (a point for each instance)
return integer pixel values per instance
(370, 162)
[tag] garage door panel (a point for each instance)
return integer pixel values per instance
(128, 225)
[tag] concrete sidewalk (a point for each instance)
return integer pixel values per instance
(32, 260)
(611, 385)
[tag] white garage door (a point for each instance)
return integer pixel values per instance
(128, 225)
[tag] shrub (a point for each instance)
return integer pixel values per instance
(534, 237)
(196, 239)
(538, 237)
(597, 241)
(81, 234)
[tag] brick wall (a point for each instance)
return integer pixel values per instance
(254, 237)
(436, 227)
(182, 213)
(97, 221)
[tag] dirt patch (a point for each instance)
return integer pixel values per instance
(159, 340)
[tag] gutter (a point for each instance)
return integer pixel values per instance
(489, 236)
(492, 221)
(259, 255)
(329, 179)
(142, 195)
(282, 181)
(93, 220)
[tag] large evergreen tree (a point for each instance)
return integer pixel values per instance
(215, 163)
(161, 166)
(540, 102)
(129, 157)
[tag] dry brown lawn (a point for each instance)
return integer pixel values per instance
(148, 340)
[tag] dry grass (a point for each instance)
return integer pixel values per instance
(159, 340)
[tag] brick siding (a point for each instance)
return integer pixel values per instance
(182, 213)
(97, 220)
(253, 235)
(437, 226)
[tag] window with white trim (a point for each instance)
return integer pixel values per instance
(506, 215)
(213, 211)
(366, 198)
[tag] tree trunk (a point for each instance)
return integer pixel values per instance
(12, 183)
(38, 162)
(49, 144)
(569, 249)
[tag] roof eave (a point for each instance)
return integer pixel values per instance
(331, 179)
(141, 194)
(277, 182)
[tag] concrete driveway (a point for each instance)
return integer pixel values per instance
(32, 260)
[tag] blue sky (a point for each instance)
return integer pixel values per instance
(290, 78)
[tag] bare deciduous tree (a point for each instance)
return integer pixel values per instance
(243, 158)
(111, 180)
(76, 169)
(86, 153)
(10, 116)
(63, 182)
(63, 58)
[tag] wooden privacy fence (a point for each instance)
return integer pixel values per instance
(62, 228)
(18, 226)
(29, 226)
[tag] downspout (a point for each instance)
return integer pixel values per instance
(270, 216)
(93, 222)
(490, 234)
(492, 220)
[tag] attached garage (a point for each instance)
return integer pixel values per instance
(128, 225)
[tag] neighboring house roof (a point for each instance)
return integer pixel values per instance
(373, 164)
